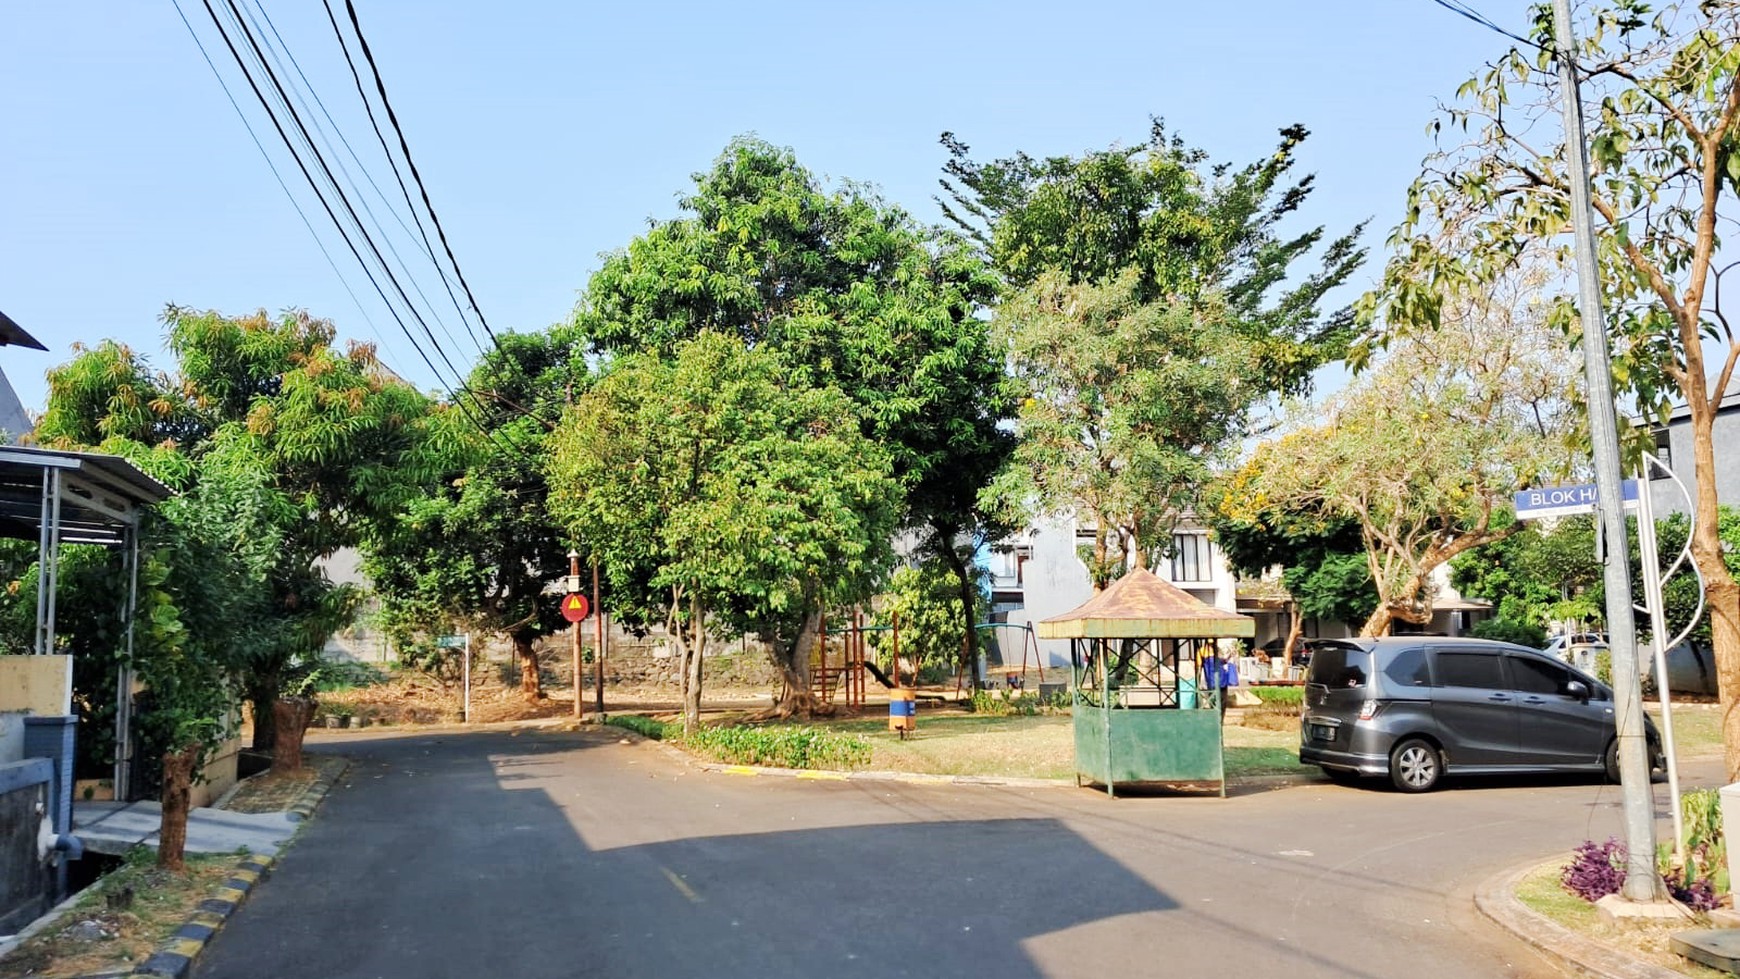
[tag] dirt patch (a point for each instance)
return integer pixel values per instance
(278, 791)
(120, 920)
(407, 698)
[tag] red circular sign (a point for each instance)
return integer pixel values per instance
(575, 607)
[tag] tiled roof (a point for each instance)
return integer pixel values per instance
(1141, 606)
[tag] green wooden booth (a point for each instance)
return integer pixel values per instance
(1144, 711)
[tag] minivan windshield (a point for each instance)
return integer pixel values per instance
(1336, 665)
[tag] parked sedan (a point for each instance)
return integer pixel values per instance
(1417, 708)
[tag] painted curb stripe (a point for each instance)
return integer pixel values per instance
(166, 964)
(823, 776)
(195, 932)
(741, 770)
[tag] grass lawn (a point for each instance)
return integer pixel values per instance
(1541, 892)
(1697, 729)
(121, 919)
(958, 743)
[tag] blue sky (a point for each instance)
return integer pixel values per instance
(550, 132)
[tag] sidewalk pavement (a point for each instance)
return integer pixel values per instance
(116, 827)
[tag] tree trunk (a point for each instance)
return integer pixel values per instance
(530, 686)
(1379, 622)
(792, 660)
(1723, 595)
(291, 717)
(177, 788)
(969, 609)
(1721, 592)
(1295, 629)
(692, 667)
(262, 694)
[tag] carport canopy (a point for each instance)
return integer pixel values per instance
(63, 497)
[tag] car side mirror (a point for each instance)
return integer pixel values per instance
(1577, 689)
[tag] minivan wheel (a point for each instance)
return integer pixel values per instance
(1657, 762)
(1415, 765)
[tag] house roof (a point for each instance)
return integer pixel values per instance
(1730, 401)
(100, 494)
(13, 335)
(1141, 606)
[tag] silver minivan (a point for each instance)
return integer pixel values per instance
(1417, 708)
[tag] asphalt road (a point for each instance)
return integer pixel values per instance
(548, 854)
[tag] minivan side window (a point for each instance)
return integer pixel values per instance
(1531, 675)
(1469, 669)
(1407, 668)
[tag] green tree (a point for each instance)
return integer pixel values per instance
(1191, 230)
(1538, 576)
(1664, 138)
(855, 296)
(727, 494)
(1680, 596)
(477, 550)
(1125, 406)
(1324, 569)
(332, 442)
(1424, 451)
(925, 599)
(1155, 303)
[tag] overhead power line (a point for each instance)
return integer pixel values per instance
(405, 148)
(343, 171)
(1463, 10)
(320, 186)
(279, 177)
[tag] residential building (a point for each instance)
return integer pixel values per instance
(1673, 443)
(1040, 573)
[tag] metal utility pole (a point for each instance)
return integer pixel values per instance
(1642, 883)
(573, 583)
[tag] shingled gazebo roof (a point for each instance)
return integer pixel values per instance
(1141, 606)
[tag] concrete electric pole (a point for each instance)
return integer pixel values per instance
(1642, 883)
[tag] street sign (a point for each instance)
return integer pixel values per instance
(450, 642)
(575, 607)
(571, 583)
(1563, 501)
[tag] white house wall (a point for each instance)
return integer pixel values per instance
(1055, 580)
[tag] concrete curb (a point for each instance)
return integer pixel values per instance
(315, 794)
(821, 775)
(1010, 781)
(1496, 899)
(175, 957)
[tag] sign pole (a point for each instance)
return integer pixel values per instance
(1658, 636)
(468, 678)
(573, 579)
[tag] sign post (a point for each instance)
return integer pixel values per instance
(1564, 501)
(462, 642)
(574, 609)
(1558, 501)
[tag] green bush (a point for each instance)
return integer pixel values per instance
(780, 747)
(992, 704)
(645, 726)
(1509, 630)
(1279, 696)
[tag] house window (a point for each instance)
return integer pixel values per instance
(1665, 453)
(1192, 557)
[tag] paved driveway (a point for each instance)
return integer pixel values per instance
(549, 854)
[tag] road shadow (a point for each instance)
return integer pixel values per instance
(448, 855)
